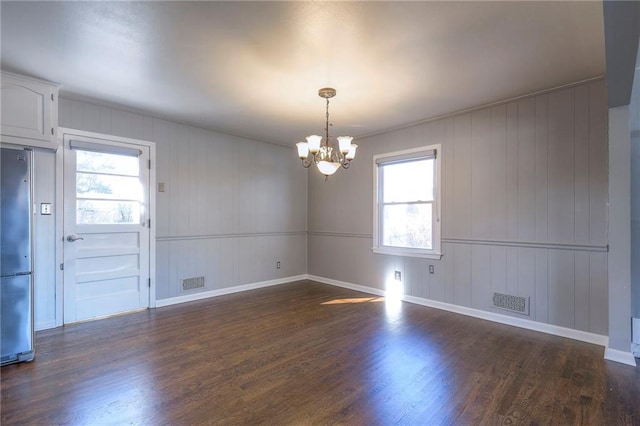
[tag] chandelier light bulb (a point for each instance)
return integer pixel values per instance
(352, 152)
(344, 143)
(303, 149)
(314, 143)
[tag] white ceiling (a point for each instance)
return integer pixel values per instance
(254, 68)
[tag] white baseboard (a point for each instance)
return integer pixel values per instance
(344, 284)
(582, 336)
(228, 290)
(620, 356)
(556, 330)
(45, 325)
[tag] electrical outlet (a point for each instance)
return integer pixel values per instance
(398, 276)
(277, 265)
(431, 269)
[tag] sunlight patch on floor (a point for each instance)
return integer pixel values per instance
(353, 300)
(394, 290)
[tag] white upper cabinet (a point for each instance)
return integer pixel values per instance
(29, 114)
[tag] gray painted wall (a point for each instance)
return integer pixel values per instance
(524, 195)
(232, 207)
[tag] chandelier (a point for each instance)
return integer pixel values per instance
(327, 158)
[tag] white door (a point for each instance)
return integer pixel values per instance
(106, 228)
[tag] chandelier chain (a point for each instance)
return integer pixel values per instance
(326, 127)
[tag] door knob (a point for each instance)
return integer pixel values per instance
(71, 238)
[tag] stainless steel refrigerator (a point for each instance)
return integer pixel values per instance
(16, 292)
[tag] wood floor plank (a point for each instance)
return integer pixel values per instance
(306, 354)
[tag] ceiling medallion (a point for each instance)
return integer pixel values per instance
(327, 158)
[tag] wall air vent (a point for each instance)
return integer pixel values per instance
(511, 303)
(192, 283)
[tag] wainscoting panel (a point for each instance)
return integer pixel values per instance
(227, 261)
(565, 288)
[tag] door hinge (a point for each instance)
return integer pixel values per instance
(52, 131)
(149, 164)
(52, 96)
(62, 266)
(149, 223)
(149, 282)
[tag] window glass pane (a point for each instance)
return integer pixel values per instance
(408, 181)
(93, 185)
(88, 161)
(107, 212)
(408, 225)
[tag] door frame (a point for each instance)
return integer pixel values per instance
(65, 134)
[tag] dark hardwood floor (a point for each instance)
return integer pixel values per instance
(308, 353)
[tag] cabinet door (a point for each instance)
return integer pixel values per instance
(27, 109)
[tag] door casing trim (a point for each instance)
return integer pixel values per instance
(64, 132)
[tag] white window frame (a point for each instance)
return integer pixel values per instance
(407, 155)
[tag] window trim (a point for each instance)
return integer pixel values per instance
(408, 155)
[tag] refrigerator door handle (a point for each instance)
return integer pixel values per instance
(72, 238)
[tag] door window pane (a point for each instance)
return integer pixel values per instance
(108, 188)
(94, 212)
(100, 162)
(93, 185)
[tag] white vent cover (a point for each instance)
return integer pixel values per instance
(511, 303)
(192, 283)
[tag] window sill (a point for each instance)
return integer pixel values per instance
(407, 253)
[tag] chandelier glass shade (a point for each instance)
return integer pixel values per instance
(327, 158)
